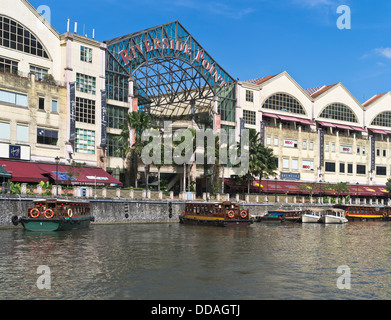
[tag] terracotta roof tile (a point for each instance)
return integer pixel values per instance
(373, 99)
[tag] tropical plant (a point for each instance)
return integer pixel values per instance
(134, 125)
(261, 159)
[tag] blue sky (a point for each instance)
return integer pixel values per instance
(256, 38)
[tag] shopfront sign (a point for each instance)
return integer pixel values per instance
(290, 143)
(345, 149)
(290, 176)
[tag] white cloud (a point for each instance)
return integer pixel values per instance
(385, 52)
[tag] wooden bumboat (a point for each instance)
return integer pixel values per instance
(281, 216)
(356, 212)
(56, 215)
(215, 214)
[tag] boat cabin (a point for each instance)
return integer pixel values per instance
(367, 212)
(55, 208)
(225, 209)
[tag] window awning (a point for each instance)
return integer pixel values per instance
(32, 172)
(270, 115)
(378, 131)
(358, 129)
(326, 124)
(342, 126)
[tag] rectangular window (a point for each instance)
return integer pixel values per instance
(8, 66)
(276, 162)
(378, 152)
(358, 150)
(85, 110)
(333, 147)
(311, 145)
(4, 130)
(381, 171)
(116, 116)
(330, 166)
(249, 117)
(41, 103)
(39, 72)
(285, 163)
(363, 150)
(295, 164)
(13, 98)
(350, 168)
(304, 145)
(54, 106)
(85, 54)
(46, 136)
(326, 147)
(384, 153)
(85, 141)
(268, 140)
(341, 167)
(86, 84)
(275, 141)
(112, 145)
(22, 133)
(249, 96)
(360, 169)
(308, 165)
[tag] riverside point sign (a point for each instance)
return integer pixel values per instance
(167, 41)
(140, 50)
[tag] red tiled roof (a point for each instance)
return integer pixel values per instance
(373, 99)
(324, 89)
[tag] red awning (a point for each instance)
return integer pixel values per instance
(305, 121)
(358, 129)
(32, 172)
(25, 172)
(378, 131)
(326, 124)
(272, 186)
(342, 126)
(270, 115)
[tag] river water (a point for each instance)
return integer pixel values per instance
(173, 261)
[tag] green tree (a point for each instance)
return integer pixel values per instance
(261, 162)
(135, 122)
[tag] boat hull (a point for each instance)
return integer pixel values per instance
(334, 220)
(308, 218)
(210, 221)
(60, 224)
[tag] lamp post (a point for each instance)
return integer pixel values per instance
(357, 191)
(275, 190)
(57, 159)
(2, 186)
(267, 189)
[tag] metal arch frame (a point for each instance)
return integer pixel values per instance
(141, 57)
(180, 86)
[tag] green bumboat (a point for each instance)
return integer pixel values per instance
(56, 215)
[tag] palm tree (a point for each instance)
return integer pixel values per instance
(134, 125)
(261, 159)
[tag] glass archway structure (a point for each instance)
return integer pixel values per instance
(173, 75)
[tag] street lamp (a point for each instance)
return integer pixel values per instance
(57, 159)
(267, 189)
(275, 189)
(357, 191)
(2, 186)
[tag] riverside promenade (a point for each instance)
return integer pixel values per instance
(115, 205)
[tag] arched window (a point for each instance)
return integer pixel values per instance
(284, 102)
(338, 111)
(13, 35)
(382, 119)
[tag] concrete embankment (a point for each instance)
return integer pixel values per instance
(120, 211)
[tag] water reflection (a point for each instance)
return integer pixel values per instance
(173, 261)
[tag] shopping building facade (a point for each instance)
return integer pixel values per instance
(64, 96)
(50, 98)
